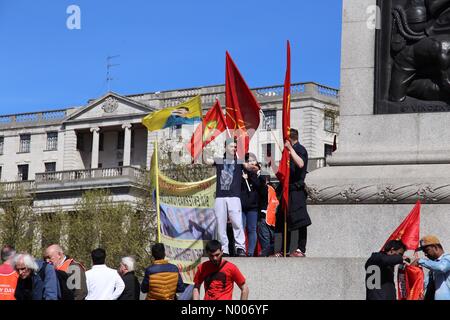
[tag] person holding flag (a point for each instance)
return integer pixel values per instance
(228, 192)
(297, 217)
(380, 267)
(291, 173)
(438, 263)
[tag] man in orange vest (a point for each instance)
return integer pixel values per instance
(76, 281)
(8, 276)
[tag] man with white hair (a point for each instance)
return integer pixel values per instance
(75, 279)
(8, 276)
(37, 279)
(132, 289)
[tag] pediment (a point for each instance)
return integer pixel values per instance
(110, 105)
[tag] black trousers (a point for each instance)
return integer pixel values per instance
(302, 234)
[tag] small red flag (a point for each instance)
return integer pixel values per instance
(242, 116)
(284, 169)
(408, 230)
(410, 280)
(410, 283)
(212, 126)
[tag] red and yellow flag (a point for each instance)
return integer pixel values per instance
(242, 116)
(284, 169)
(212, 126)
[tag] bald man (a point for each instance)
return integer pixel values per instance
(76, 273)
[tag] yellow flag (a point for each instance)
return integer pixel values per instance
(188, 112)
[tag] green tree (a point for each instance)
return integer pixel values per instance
(17, 219)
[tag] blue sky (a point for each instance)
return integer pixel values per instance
(162, 45)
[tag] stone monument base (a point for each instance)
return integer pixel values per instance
(355, 208)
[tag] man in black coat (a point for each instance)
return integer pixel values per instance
(380, 269)
(297, 214)
(132, 289)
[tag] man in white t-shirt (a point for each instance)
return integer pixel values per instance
(103, 283)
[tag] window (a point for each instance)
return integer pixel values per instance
(328, 150)
(52, 141)
(100, 165)
(267, 151)
(25, 143)
(22, 172)
(329, 122)
(120, 140)
(101, 139)
(121, 164)
(80, 141)
(50, 166)
(2, 142)
(270, 119)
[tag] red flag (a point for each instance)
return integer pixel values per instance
(212, 126)
(284, 169)
(410, 283)
(242, 107)
(410, 279)
(408, 230)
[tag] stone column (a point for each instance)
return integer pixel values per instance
(95, 145)
(127, 145)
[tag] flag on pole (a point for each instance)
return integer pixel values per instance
(410, 279)
(185, 113)
(154, 173)
(284, 169)
(212, 126)
(242, 108)
(408, 230)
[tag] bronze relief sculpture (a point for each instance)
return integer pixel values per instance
(413, 56)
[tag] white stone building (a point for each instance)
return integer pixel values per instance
(58, 154)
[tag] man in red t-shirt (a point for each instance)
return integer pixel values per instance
(219, 276)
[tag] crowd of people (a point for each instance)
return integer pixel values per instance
(247, 205)
(58, 277)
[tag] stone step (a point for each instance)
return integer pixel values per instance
(302, 278)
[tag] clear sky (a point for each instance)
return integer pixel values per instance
(163, 45)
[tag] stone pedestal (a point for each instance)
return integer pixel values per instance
(384, 163)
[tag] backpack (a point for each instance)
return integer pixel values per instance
(61, 277)
(66, 293)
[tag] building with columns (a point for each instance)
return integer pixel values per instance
(58, 154)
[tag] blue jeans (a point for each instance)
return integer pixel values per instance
(187, 293)
(249, 220)
(266, 238)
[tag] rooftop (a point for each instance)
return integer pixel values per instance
(173, 97)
